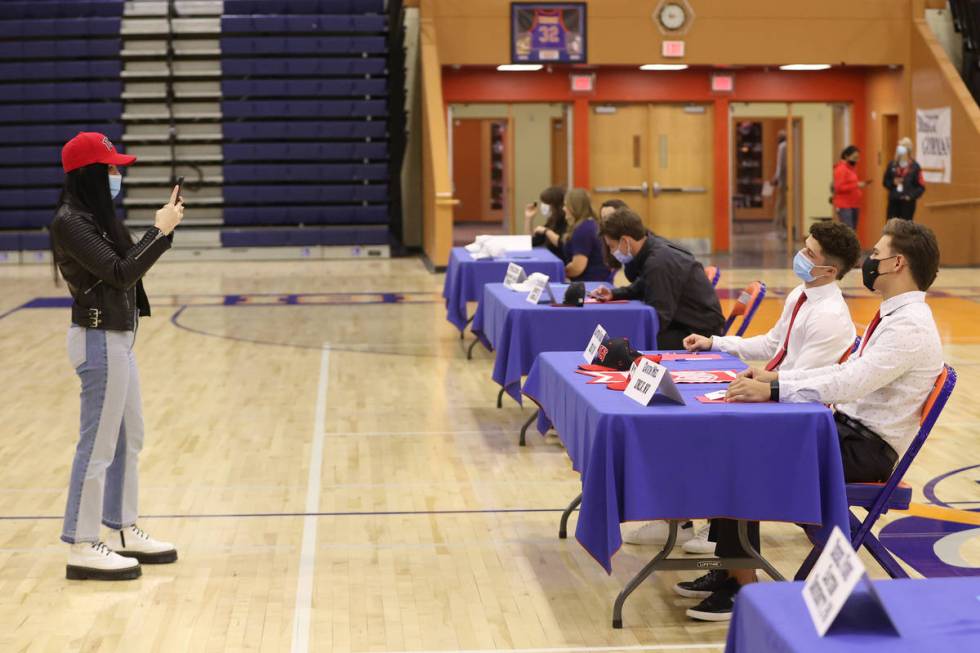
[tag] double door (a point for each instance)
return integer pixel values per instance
(658, 158)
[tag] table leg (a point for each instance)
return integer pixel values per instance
(563, 526)
(500, 397)
(637, 580)
(469, 352)
(743, 539)
(469, 321)
(525, 427)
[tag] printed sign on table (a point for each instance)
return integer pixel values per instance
(649, 378)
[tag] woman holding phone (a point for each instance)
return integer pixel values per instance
(104, 269)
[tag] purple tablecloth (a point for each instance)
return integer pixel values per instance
(519, 331)
(938, 614)
(465, 276)
(765, 462)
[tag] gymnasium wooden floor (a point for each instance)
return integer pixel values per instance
(337, 477)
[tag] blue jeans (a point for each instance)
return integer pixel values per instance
(849, 217)
(104, 476)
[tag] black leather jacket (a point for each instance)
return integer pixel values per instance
(107, 288)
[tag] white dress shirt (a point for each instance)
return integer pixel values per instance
(822, 332)
(885, 386)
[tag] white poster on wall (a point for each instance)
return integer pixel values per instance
(933, 144)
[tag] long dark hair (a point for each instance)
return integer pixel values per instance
(554, 196)
(87, 188)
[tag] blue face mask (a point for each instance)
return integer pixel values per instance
(622, 258)
(115, 185)
(802, 266)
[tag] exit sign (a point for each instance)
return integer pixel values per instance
(583, 83)
(673, 49)
(723, 83)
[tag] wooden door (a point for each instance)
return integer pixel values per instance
(467, 169)
(559, 153)
(619, 155)
(681, 166)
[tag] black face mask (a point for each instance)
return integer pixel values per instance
(869, 271)
(852, 163)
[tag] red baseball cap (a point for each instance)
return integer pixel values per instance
(91, 147)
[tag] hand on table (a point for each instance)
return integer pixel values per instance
(744, 389)
(602, 293)
(694, 342)
(759, 374)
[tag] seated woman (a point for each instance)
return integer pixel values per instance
(551, 207)
(582, 248)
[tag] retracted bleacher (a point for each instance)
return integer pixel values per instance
(59, 74)
(278, 113)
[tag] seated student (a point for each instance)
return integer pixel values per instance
(551, 207)
(878, 392)
(814, 330)
(670, 280)
(582, 249)
(631, 270)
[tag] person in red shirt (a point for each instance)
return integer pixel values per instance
(847, 187)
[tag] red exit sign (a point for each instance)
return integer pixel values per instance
(673, 49)
(583, 83)
(723, 83)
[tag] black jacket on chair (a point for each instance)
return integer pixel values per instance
(106, 288)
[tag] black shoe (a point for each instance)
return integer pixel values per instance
(703, 587)
(718, 606)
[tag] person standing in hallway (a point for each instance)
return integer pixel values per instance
(847, 187)
(779, 182)
(903, 179)
(104, 269)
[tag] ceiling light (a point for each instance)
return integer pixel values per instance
(663, 66)
(805, 66)
(519, 67)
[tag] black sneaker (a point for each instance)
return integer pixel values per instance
(718, 606)
(703, 587)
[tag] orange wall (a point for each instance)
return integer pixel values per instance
(744, 32)
(693, 85)
(884, 96)
(935, 83)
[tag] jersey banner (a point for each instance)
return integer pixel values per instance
(547, 32)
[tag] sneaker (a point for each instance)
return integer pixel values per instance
(96, 561)
(133, 542)
(655, 532)
(718, 606)
(699, 544)
(703, 587)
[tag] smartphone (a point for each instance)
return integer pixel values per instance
(180, 184)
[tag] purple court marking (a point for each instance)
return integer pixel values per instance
(250, 515)
(929, 490)
(175, 320)
(930, 545)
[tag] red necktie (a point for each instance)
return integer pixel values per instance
(781, 354)
(867, 332)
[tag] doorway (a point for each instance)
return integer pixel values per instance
(658, 159)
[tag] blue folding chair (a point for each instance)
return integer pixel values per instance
(714, 274)
(746, 305)
(879, 498)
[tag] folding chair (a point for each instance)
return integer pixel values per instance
(714, 275)
(879, 498)
(746, 305)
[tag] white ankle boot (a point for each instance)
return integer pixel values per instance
(96, 561)
(133, 542)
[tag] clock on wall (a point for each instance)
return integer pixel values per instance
(673, 16)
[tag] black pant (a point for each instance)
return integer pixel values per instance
(866, 460)
(849, 217)
(673, 336)
(904, 209)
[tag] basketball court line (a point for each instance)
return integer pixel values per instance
(307, 558)
(582, 649)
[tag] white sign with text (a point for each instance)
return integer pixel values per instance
(597, 337)
(515, 275)
(648, 378)
(539, 282)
